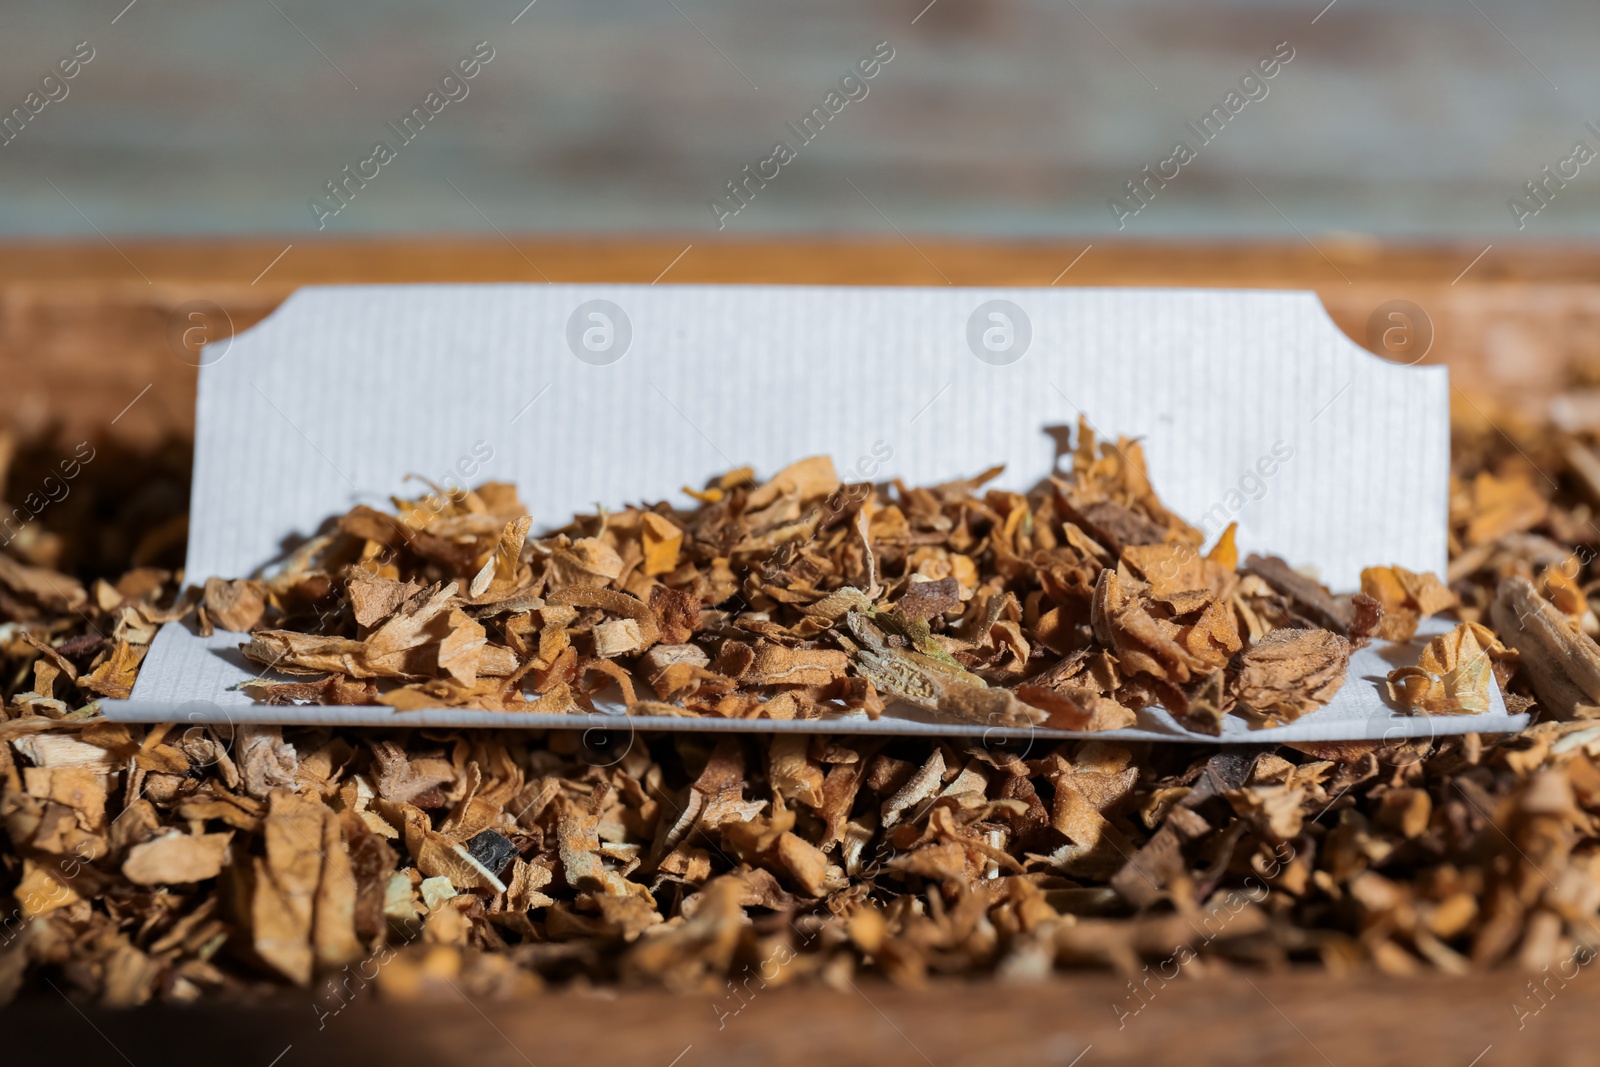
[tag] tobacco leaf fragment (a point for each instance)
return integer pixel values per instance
(176, 858)
(1562, 665)
(1453, 675)
(236, 605)
(1308, 596)
(1291, 672)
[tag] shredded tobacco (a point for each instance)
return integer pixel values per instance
(1073, 606)
(181, 862)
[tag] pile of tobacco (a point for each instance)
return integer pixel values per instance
(1070, 607)
(178, 862)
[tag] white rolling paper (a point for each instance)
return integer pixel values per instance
(1252, 406)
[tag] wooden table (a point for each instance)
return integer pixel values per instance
(1088, 1021)
(84, 332)
(85, 328)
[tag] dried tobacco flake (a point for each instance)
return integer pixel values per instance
(1290, 672)
(1453, 675)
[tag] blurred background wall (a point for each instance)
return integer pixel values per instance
(1009, 118)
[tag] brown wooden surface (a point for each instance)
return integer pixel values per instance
(83, 331)
(84, 326)
(1274, 1020)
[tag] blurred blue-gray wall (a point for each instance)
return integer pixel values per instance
(1016, 118)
